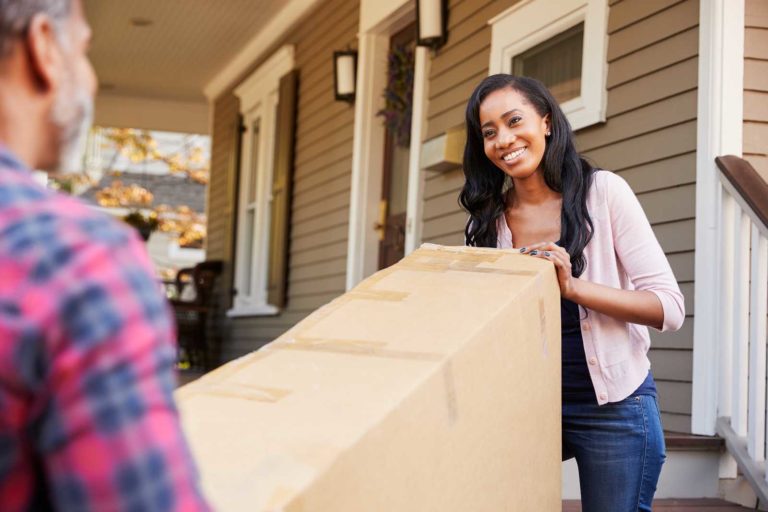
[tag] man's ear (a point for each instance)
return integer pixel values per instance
(44, 52)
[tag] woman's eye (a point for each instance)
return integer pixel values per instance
(514, 120)
(488, 133)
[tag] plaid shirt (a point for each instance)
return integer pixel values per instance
(87, 352)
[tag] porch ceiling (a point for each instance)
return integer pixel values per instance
(185, 46)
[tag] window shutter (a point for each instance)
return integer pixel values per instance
(282, 177)
(235, 158)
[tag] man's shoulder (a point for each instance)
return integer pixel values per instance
(42, 231)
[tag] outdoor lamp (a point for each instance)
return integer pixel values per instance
(431, 23)
(344, 72)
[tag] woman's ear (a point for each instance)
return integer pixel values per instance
(547, 125)
(44, 52)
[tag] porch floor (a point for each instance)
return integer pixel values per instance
(669, 505)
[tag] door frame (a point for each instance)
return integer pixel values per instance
(378, 21)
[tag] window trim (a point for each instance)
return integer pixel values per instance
(544, 20)
(258, 95)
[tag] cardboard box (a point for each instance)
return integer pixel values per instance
(434, 385)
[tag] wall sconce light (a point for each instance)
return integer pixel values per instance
(344, 75)
(431, 23)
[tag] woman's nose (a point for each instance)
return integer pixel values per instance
(505, 139)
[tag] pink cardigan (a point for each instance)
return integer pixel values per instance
(623, 253)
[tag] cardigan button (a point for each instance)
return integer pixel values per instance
(585, 326)
(592, 361)
(603, 396)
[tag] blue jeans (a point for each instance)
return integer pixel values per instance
(619, 450)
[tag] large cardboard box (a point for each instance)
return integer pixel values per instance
(432, 386)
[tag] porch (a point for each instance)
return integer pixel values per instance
(665, 179)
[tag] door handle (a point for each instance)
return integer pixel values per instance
(381, 225)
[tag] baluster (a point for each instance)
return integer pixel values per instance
(740, 322)
(757, 298)
(725, 310)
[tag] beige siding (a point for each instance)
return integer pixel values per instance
(320, 206)
(649, 139)
(756, 85)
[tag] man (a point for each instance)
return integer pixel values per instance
(87, 420)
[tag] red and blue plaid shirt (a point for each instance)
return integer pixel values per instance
(87, 352)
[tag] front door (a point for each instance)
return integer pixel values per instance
(397, 117)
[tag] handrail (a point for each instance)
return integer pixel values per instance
(747, 182)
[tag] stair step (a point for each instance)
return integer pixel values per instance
(676, 505)
(689, 442)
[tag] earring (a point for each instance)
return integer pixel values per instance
(548, 134)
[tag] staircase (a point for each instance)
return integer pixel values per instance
(743, 276)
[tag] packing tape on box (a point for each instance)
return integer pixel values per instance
(352, 347)
(244, 391)
(542, 317)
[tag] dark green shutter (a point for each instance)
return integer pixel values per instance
(233, 186)
(282, 177)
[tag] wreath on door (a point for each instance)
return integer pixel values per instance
(398, 94)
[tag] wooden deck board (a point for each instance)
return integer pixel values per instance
(672, 505)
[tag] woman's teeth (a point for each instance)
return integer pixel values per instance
(511, 156)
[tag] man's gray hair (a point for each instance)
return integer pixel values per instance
(16, 15)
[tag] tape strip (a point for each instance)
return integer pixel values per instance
(382, 295)
(450, 393)
(243, 391)
(353, 347)
(543, 320)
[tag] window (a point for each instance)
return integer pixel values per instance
(261, 222)
(563, 44)
(556, 62)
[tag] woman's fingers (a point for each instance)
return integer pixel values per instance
(539, 247)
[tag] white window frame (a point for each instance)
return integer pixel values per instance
(531, 22)
(258, 96)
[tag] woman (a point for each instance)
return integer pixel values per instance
(527, 187)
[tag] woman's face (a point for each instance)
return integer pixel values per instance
(513, 132)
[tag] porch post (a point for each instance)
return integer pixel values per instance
(719, 132)
(367, 157)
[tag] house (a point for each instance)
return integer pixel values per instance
(135, 182)
(304, 183)
(173, 191)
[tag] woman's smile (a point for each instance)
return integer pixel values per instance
(514, 155)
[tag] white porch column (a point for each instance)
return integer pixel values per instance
(719, 132)
(367, 157)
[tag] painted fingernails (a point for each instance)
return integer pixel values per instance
(546, 253)
(534, 252)
(522, 249)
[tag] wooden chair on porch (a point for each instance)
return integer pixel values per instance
(193, 315)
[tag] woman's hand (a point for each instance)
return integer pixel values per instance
(636, 306)
(562, 260)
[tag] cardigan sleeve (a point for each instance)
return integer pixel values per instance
(639, 251)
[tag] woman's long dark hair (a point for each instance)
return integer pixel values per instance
(565, 171)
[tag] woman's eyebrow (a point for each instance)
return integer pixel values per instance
(503, 116)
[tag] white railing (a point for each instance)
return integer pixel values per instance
(743, 272)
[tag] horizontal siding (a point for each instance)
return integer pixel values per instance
(221, 204)
(460, 64)
(756, 85)
(322, 172)
(454, 73)
(649, 139)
